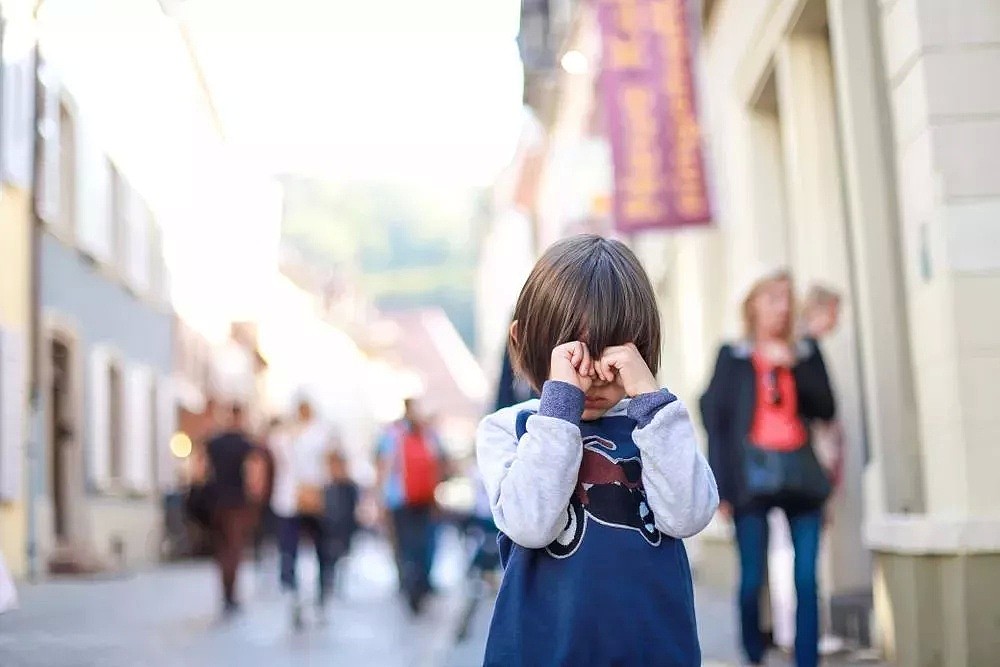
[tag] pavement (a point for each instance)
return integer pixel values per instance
(168, 617)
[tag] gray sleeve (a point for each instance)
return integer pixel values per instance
(530, 482)
(679, 483)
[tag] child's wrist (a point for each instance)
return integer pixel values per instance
(644, 407)
(562, 400)
(650, 387)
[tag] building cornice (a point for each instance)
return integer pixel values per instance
(930, 535)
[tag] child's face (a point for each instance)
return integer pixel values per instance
(601, 397)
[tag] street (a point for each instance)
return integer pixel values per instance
(167, 617)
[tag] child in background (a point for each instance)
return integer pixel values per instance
(820, 317)
(594, 485)
(341, 509)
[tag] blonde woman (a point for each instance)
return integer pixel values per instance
(765, 393)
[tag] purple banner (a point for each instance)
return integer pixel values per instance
(648, 93)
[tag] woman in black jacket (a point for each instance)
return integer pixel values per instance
(765, 391)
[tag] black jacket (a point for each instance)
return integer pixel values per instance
(227, 454)
(727, 408)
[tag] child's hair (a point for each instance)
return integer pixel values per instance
(583, 288)
(820, 295)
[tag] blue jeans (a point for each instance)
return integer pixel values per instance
(290, 531)
(751, 537)
(414, 532)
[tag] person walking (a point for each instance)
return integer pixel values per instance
(236, 478)
(302, 455)
(410, 463)
(765, 393)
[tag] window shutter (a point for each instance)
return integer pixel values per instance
(159, 276)
(166, 425)
(138, 225)
(93, 190)
(99, 459)
(137, 426)
(118, 193)
(48, 194)
(18, 111)
(13, 379)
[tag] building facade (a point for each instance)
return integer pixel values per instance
(106, 353)
(856, 143)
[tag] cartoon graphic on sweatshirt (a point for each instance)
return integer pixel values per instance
(609, 490)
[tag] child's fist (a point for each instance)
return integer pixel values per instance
(571, 364)
(623, 364)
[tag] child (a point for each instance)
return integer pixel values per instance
(593, 485)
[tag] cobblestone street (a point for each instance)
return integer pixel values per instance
(167, 617)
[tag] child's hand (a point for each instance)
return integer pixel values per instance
(571, 364)
(623, 364)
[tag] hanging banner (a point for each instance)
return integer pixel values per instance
(648, 93)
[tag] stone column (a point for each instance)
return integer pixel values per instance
(937, 574)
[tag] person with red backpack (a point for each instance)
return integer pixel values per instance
(410, 465)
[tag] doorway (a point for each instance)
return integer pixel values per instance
(62, 431)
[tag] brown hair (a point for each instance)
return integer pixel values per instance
(820, 295)
(584, 287)
(750, 319)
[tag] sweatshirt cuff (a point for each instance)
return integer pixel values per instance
(562, 401)
(644, 407)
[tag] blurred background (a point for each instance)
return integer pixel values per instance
(209, 202)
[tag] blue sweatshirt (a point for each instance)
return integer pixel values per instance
(591, 515)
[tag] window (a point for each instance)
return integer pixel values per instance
(116, 451)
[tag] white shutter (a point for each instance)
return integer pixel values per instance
(159, 286)
(99, 454)
(48, 192)
(18, 111)
(166, 425)
(136, 429)
(93, 193)
(137, 224)
(13, 382)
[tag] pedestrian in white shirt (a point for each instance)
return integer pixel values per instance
(302, 459)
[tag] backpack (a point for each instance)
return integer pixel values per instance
(419, 467)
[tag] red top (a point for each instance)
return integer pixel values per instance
(776, 424)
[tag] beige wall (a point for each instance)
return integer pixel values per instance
(15, 226)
